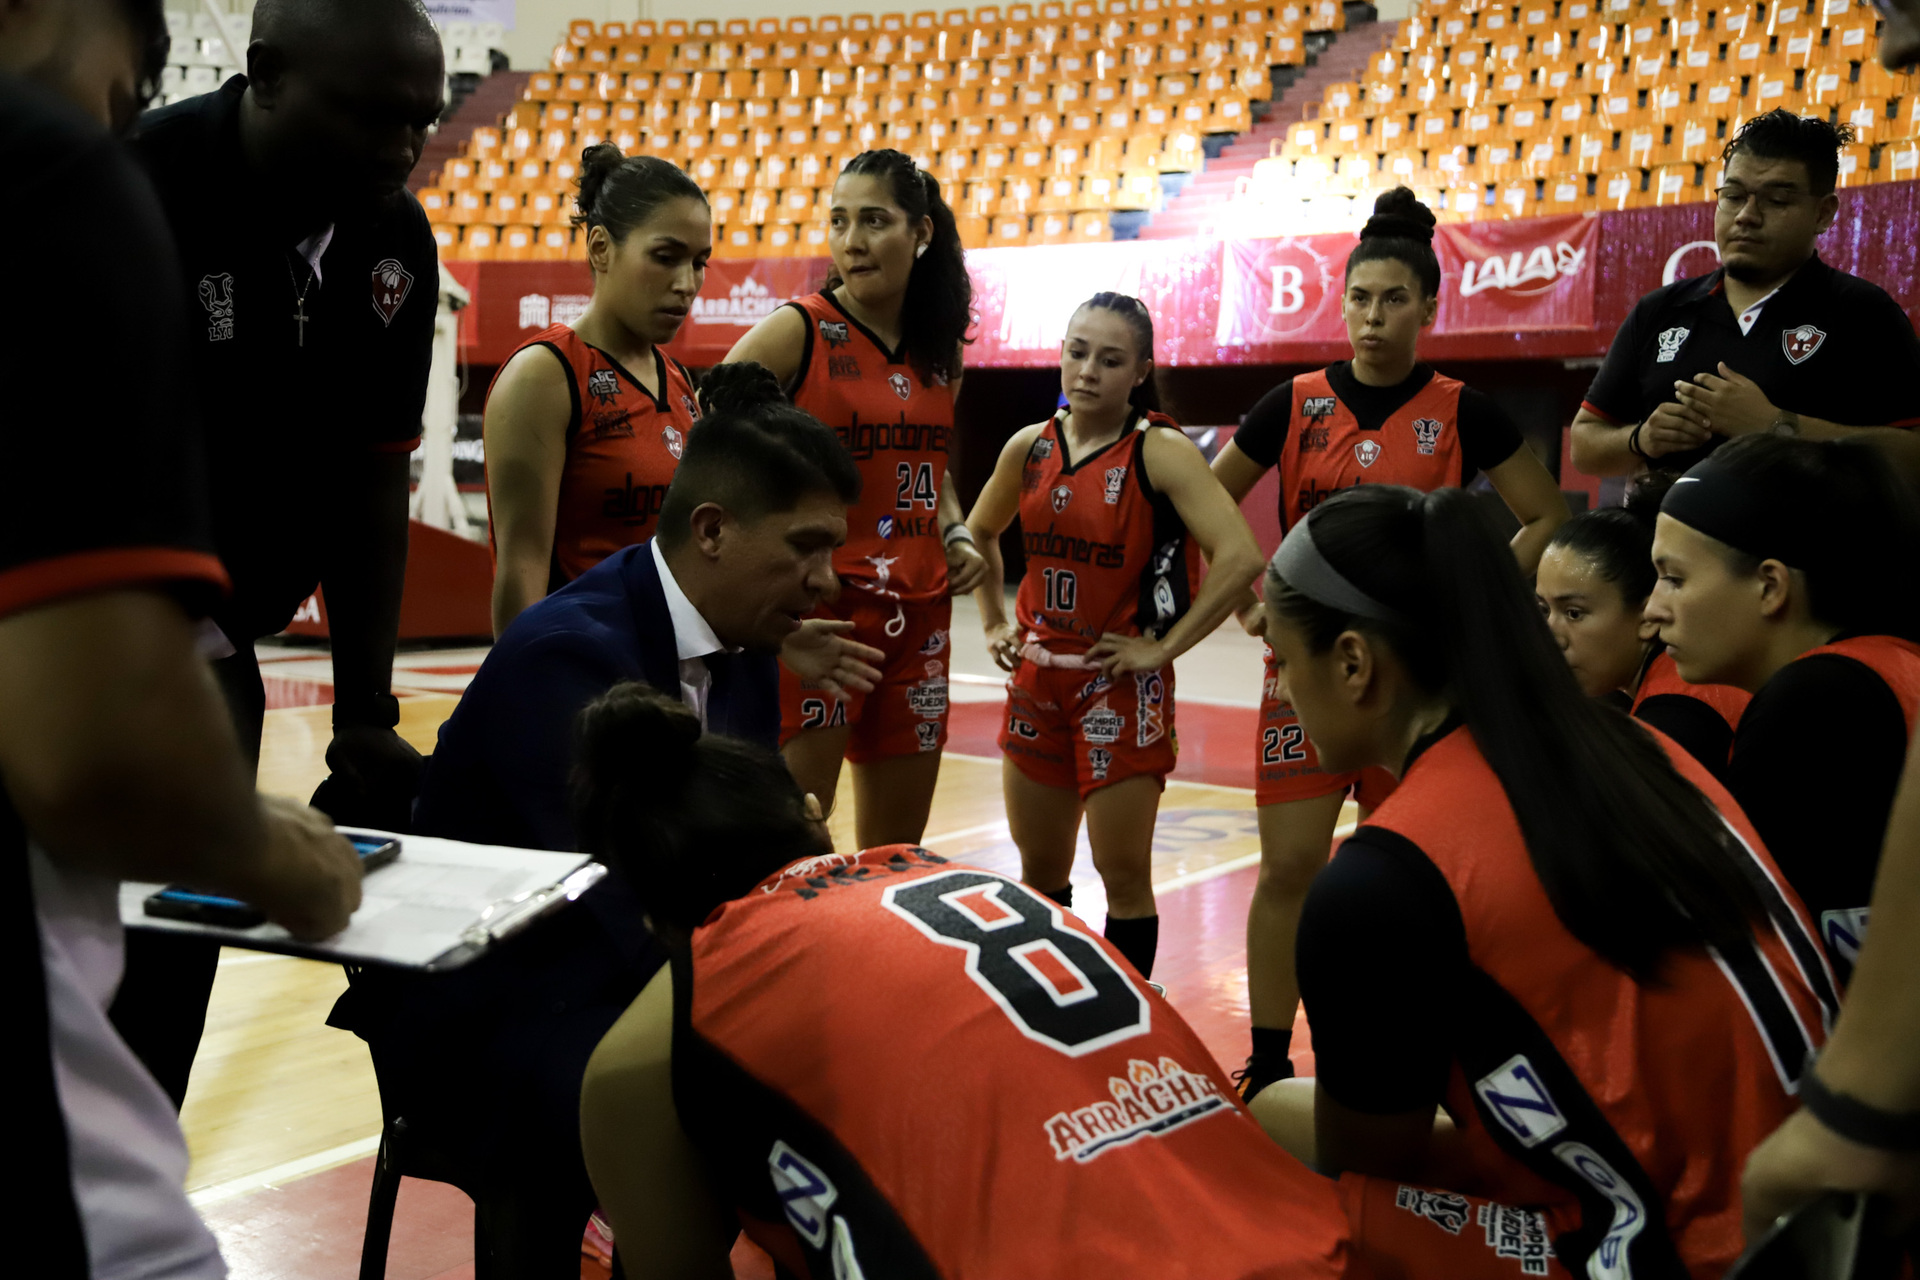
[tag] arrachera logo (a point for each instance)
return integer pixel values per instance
(746, 304)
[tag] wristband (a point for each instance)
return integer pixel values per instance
(956, 532)
(376, 711)
(1857, 1121)
(1633, 443)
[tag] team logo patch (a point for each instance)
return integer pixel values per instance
(1150, 1100)
(1670, 341)
(1426, 434)
(1315, 439)
(928, 698)
(1367, 452)
(675, 441)
(1515, 1096)
(901, 387)
(1043, 448)
(885, 527)
(1519, 1234)
(843, 368)
(928, 733)
(835, 332)
(604, 385)
(1116, 476)
(1319, 406)
(216, 295)
(1062, 495)
(391, 285)
(693, 409)
(1096, 686)
(1443, 1209)
(935, 643)
(1150, 695)
(1801, 343)
(1099, 762)
(1102, 723)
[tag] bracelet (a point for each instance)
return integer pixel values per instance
(1857, 1121)
(1633, 443)
(956, 532)
(377, 711)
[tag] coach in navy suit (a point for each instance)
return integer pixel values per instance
(485, 1063)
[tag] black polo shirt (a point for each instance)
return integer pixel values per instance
(1828, 344)
(285, 418)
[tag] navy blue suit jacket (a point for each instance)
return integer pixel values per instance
(500, 772)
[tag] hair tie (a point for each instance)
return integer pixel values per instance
(1301, 566)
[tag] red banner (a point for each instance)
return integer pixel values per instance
(1532, 273)
(1275, 292)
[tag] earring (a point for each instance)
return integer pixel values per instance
(920, 251)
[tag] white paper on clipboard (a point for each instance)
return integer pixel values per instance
(436, 906)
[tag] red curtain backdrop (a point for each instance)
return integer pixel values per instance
(1530, 288)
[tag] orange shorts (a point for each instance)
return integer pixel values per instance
(1290, 770)
(1073, 727)
(906, 713)
(1403, 1233)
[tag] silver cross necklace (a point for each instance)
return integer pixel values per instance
(300, 301)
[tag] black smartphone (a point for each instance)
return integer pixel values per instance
(177, 902)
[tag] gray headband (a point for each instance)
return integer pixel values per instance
(1300, 565)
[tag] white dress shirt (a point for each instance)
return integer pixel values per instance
(692, 637)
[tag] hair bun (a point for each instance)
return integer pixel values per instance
(1645, 493)
(739, 387)
(1399, 214)
(639, 729)
(597, 164)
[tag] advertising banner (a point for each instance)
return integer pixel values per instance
(1512, 277)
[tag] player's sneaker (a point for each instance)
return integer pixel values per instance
(1260, 1072)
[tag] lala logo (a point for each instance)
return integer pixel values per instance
(1801, 343)
(1426, 434)
(1545, 264)
(1367, 452)
(391, 284)
(901, 387)
(674, 440)
(1061, 496)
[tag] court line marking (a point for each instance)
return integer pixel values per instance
(1227, 868)
(1172, 781)
(267, 1179)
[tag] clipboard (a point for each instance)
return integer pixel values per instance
(440, 905)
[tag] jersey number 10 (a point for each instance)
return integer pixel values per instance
(1063, 589)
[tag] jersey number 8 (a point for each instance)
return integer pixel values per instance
(1055, 984)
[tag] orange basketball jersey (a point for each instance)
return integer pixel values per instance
(1663, 678)
(1327, 451)
(1894, 660)
(897, 428)
(1105, 550)
(897, 1066)
(1625, 1111)
(623, 445)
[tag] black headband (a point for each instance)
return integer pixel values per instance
(1728, 509)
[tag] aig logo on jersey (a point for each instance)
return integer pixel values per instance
(1367, 452)
(391, 284)
(1426, 435)
(1116, 476)
(901, 387)
(1801, 343)
(1061, 496)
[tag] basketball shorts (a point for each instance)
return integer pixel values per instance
(1408, 1233)
(906, 714)
(1074, 728)
(1288, 767)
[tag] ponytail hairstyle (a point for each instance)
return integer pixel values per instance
(1633, 858)
(740, 387)
(621, 192)
(1618, 541)
(1834, 509)
(1400, 230)
(690, 819)
(1146, 396)
(938, 309)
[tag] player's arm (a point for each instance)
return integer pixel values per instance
(526, 446)
(1530, 492)
(645, 1170)
(993, 511)
(1211, 515)
(120, 756)
(778, 342)
(966, 565)
(1237, 474)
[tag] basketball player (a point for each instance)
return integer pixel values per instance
(585, 422)
(1592, 588)
(1558, 927)
(876, 356)
(1108, 492)
(1382, 417)
(886, 1064)
(1764, 584)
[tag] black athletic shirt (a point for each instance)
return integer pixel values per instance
(1827, 344)
(1816, 762)
(283, 418)
(101, 499)
(1488, 437)
(1697, 728)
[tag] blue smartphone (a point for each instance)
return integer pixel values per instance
(177, 902)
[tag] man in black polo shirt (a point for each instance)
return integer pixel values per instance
(310, 280)
(1775, 340)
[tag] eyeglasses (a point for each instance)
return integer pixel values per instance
(1733, 199)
